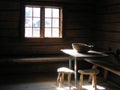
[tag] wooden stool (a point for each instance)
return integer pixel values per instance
(92, 73)
(60, 79)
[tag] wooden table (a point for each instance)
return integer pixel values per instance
(73, 55)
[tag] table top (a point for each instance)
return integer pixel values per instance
(90, 53)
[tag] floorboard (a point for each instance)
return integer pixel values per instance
(46, 81)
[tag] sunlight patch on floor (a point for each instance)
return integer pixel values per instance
(89, 87)
(84, 87)
(66, 88)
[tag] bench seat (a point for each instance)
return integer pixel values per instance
(107, 66)
(30, 58)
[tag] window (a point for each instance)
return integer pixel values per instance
(43, 22)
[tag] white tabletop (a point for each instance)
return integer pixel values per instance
(90, 53)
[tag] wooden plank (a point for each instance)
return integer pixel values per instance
(105, 45)
(109, 2)
(41, 59)
(64, 1)
(108, 36)
(78, 33)
(9, 32)
(109, 18)
(108, 26)
(32, 49)
(114, 45)
(9, 24)
(9, 16)
(8, 5)
(117, 72)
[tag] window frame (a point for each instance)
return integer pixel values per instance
(42, 31)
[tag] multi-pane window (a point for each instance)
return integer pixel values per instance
(43, 22)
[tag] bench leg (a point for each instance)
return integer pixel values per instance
(90, 77)
(105, 74)
(81, 81)
(58, 80)
(62, 78)
(69, 81)
(94, 81)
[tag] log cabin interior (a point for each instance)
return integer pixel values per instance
(94, 22)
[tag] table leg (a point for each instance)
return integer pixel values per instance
(75, 69)
(70, 63)
(75, 73)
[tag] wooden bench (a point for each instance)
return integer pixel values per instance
(33, 58)
(41, 59)
(28, 64)
(111, 67)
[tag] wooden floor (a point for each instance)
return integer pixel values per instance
(45, 81)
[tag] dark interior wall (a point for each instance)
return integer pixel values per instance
(9, 25)
(107, 31)
(78, 20)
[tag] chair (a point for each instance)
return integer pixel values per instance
(60, 78)
(92, 73)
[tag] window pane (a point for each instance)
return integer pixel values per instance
(55, 23)
(28, 32)
(56, 13)
(51, 21)
(55, 32)
(36, 12)
(36, 22)
(48, 12)
(47, 32)
(28, 12)
(28, 22)
(47, 22)
(36, 32)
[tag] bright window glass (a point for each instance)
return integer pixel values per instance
(43, 22)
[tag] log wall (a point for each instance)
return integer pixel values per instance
(78, 19)
(107, 31)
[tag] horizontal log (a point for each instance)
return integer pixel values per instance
(109, 18)
(8, 5)
(108, 36)
(115, 27)
(78, 33)
(9, 16)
